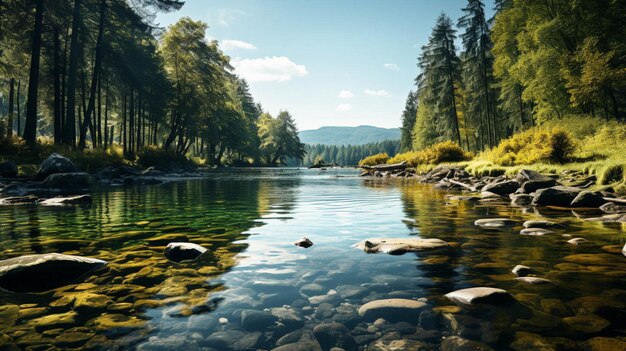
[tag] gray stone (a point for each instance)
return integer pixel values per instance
(588, 199)
(233, 340)
(456, 343)
(494, 222)
(521, 199)
(253, 320)
(545, 224)
(332, 335)
(399, 246)
(43, 272)
(181, 251)
(533, 185)
(392, 310)
(395, 341)
(304, 242)
(521, 270)
(502, 188)
(76, 181)
(533, 280)
(55, 163)
(480, 295)
(67, 200)
(561, 196)
(313, 289)
(306, 342)
(535, 231)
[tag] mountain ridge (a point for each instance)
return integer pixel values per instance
(345, 135)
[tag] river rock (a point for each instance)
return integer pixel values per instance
(332, 335)
(8, 169)
(55, 163)
(601, 343)
(181, 251)
(502, 188)
(561, 196)
(43, 272)
(533, 280)
(545, 224)
(588, 199)
(494, 222)
(307, 342)
(576, 241)
(612, 207)
(392, 310)
(395, 341)
(527, 174)
(521, 199)
(531, 186)
(521, 270)
(74, 181)
(624, 250)
(480, 295)
(399, 246)
(67, 200)
(586, 324)
(19, 200)
(304, 242)
(253, 320)
(456, 343)
(234, 340)
(535, 231)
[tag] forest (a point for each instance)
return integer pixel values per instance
(534, 62)
(345, 155)
(100, 75)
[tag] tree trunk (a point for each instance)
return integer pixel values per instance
(99, 119)
(94, 82)
(56, 76)
(106, 115)
(19, 108)
(30, 127)
(69, 130)
(11, 102)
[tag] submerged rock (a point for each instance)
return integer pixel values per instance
(180, 251)
(480, 295)
(332, 335)
(395, 341)
(587, 324)
(306, 341)
(55, 163)
(43, 272)
(399, 246)
(521, 199)
(535, 231)
(456, 343)
(494, 222)
(392, 309)
(545, 224)
(533, 280)
(304, 242)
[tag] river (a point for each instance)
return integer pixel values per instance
(255, 290)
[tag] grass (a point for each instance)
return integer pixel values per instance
(446, 151)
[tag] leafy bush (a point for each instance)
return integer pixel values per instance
(164, 160)
(446, 151)
(532, 146)
(611, 173)
(374, 160)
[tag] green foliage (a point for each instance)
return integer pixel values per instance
(347, 155)
(531, 146)
(164, 160)
(611, 173)
(408, 121)
(279, 139)
(446, 151)
(374, 160)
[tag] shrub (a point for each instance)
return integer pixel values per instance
(446, 151)
(374, 160)
(532, 146)
(164, 160)
(611, 173)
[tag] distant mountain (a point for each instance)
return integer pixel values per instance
(348, 135)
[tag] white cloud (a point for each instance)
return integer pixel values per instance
(225, 17)
(391, 66)
(381, 93)
(345, 94)
(344, 107)
(269, 69)
(229, 44)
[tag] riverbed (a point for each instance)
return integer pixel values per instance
(256, 290)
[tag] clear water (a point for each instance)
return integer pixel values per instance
(248, 219)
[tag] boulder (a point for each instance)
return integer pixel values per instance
(521, 199)
(55, 163)
(392, 310)
(480, 295)
(502, 188)
(75, 181)
(43, 272)
(304, 242)
(531, 186)
(399, 246)
(494, 222)
(8, 169)
(561, 196)
(253, 320)
(528, 175)
(588, 199)
(180, 251)
(67, 200)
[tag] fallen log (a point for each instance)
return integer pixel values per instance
(383, 168)
(466, 186)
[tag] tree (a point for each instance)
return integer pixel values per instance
(408, 121)
(279, 138)
(30, 128)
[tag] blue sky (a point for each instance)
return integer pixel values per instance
(328, 62)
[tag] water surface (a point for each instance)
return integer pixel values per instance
(248, 219)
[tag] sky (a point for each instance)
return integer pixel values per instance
(327, 62)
